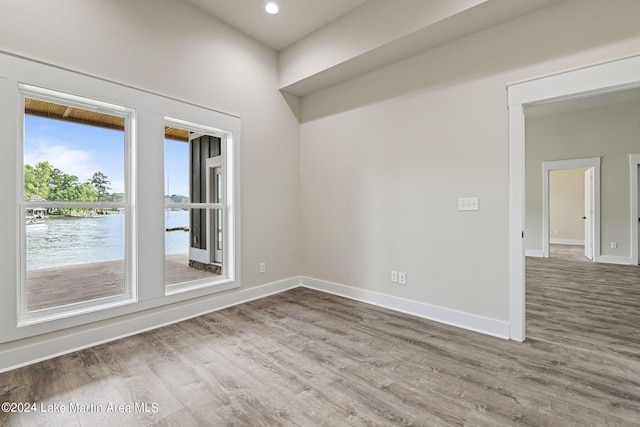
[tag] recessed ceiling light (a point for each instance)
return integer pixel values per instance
(271, 8)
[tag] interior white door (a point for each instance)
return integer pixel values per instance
(588, 214)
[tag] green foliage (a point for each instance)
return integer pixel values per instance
(36, 181)
(101, 185)
(44, 182)
(115, 197)
(48, 183)
(175, 198)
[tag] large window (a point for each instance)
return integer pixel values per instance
(75, 204)
(115, 207)
(197, 189)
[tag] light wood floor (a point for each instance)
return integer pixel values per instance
(304, 358)
(593, 306)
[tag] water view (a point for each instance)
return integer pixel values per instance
(72, 241)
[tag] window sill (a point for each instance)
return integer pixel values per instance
(57, 313)
(220, 284)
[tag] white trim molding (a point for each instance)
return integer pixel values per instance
(37, 350)
(570, 242)
(472, 322)
(611, 259)
(535, 253)
(593, 163)
(516, 223)
(144, 230)
(634, 163)
(606, 77)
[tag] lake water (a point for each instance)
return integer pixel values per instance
(72, 241)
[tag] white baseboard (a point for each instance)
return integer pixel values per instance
(36, 349)
(610, 259)
(39, 348)
(497, 328)
(572, 242)
(536, 253)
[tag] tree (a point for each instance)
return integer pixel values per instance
(36, 181)
(175, 198)
(46, 182)
(101, 184)
(116, 197)
(62, 186)
(30, 186)
(85, 193)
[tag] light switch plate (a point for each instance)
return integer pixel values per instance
(468, 204)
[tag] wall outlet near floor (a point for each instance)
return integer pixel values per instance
(263, 267)
(614, 245)
(394, 276)
(402, 278)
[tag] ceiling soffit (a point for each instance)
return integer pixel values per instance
(373, 36)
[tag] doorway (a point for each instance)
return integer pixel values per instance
(590, 212)
(608, 77)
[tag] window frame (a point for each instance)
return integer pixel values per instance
(129, 295)
(226, 207)
(154, 306)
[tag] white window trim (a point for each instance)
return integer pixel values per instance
(228, 249)
(129, 295)
(147, 216)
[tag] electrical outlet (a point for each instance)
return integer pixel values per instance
(263, 267)
(394, 276)
(402, 278)
(614, 245)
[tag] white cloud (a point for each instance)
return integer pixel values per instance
(71, 161)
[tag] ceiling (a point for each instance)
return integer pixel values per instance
(296, 18)
(321, 43)
(299, 18)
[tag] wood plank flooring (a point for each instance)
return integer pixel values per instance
(305, 358)
(594, 306)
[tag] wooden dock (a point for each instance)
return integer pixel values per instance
(53, 287)
(177, 228)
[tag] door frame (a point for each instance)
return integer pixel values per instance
(588, 214)
(592, 163)
(634, 164)
(605, 77)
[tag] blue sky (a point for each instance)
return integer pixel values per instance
(81, 150)
(176, 167)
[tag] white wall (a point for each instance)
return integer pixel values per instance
(170, 48)
(367, 27)
(384, 157)
(566, 206)
(369, 181)
(609, 131)
(173, 49)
